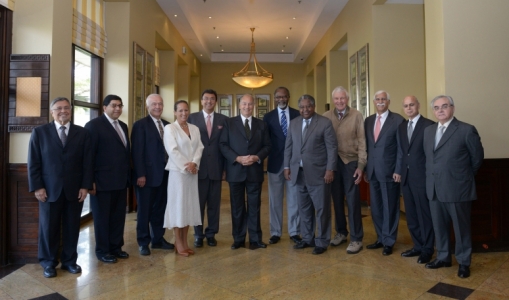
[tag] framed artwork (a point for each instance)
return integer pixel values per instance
(225, 104)
(139, 82)
(261, 113)
(363, 80)
(353, 80)
(225, 112)
(262, 105)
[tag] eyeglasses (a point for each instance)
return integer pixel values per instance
(381, 99)
(116, 105)
(443, 107)
(281, 97)
(208, 99)
(65, 108)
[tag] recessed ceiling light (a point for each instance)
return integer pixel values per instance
(294, 18)
(283, 50)
(222, 50)
(175, 16)
(286, 37)
(210, 17)
(217, 37)
(201, 54)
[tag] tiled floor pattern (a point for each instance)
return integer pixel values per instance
(278, 272)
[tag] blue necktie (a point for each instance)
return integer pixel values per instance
(284, 124)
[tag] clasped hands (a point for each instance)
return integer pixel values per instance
(247, 160)
(191, 167)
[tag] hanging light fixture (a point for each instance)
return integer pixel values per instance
(255, 76)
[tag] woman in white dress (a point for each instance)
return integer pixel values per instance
(183, 144)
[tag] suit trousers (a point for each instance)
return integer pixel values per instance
(59, 221)
(418, 217)
(443, 213)
(344, 185)
(277, 184)
(385, 210)
(109, 209)
(314, 207)
(210, 196)
(151, 205)
(246, 218)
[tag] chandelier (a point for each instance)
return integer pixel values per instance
(252, 76)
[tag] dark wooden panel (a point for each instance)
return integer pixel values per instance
(24, 65)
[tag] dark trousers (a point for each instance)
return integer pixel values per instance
(59, 220)
(150, 212)
(246, 218)
(344, 185)
(210, 196)
(385, 210)
(418, 218)
(109, 209)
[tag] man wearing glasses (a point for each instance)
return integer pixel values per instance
(278, 121)
(110, 146)
(454, 153)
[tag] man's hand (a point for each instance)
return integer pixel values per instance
(246, 160)
(141, 181)
(40, 194)
(329, 176)
(287, 173)
(358, 176)
(92, 191)
(396, 177)
(82, 194)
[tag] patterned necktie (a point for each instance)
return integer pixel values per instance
(161, 130)
(63, 136)
(305, 130)
(115, 124)
(378, 126)
(209, 126)
(284, 123)
(340, 116)
(440, 132)
(410, 130)
(247, 129)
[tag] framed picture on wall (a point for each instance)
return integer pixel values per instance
(363, 80)
(225, 112)
(261, 113)
(225, 105)
(139, 82)
(262, 104)
(353, 80)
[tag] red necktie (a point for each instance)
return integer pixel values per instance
(378, 126)
(209, 126)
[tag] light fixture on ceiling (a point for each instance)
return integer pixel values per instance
(255, 76)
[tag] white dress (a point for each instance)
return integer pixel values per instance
(183, 206)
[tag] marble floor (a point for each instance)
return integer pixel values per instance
(278, 272)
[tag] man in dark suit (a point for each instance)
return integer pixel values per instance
(245, 143)
(210, 174)
(413, 180)
(278, 121)
(60, 174)
(454, 153)
(149, 160)
(310, 160)
(112, 166)
(382, 147)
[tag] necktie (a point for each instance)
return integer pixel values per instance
(340, 116)
(161, 130)
(410, 130)
(284, 123)
(115, 124)
(209, 125)
(305, 130)
(63, 136)
(378, 126)
(440, 132)
(247, 129)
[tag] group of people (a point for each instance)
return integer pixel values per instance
(177, 170)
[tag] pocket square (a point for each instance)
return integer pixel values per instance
(219, 127)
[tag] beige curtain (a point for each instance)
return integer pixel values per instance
(88, 26)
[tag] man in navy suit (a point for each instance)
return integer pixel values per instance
(278, 122)
(413, 180)
(112, 168)
(149, 160)
(382, 147)
(211, 170)
(245, 143)
(60, 174)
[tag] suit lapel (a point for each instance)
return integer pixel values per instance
(72, 132)
(453, 126)
(310, 130)
(385, 126)
(369, 128)
(238, 123)
(417, 129)
(404, 141)
(54, 134)
(112, 130)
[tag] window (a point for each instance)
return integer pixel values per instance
(86, 93)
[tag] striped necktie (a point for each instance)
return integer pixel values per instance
(284, 123)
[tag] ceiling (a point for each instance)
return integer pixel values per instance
(285, 30)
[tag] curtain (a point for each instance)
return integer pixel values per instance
(88, 26)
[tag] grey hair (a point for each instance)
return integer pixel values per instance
(382, 91)
(339, 89)
(308, 97)
(150, 96)
(58, 99)
(451, 102)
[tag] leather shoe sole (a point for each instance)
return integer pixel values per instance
(212, 242)
(109, 259)
(375, 245)
(387, 250)
(49, 272)
(144, 250)
(319, 250)
(257, 245)
(463, 271)
(411, 253)
(274, 239)
(438, 264)
(198, 242)
(238, 245)
(73, 269)
(424, 258)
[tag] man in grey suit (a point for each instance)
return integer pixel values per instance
(454, 153)
(211, 167)
(310, 161)
(382, 146)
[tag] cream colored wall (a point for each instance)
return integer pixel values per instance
(435, 71)
(337, 70)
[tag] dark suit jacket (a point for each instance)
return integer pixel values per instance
(212, 161)
(451, 167)
(411, 155)
(318, 151)
(277, 138)
(233, 143)
(382, 155)
(55, 167)
(112, 161)
(147, 149)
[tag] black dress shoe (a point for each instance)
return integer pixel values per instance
(301, 245)
(387, 250)
(238, 245)
(144, 250)
(73, 269)
(198, 242)
(411, 253)
(437, 264)
(375, 245)
(295, 238)
(120, 254)
(424, 258)
(164, 244)
(49, 272)
(108, 258)
(274, 239)
(319, 250)
(464, 271)
(211, 241)
(256, 245)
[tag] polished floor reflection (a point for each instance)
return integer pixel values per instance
(278, 272)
